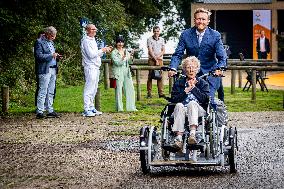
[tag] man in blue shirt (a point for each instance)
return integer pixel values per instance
(206, 44)
(46, 69)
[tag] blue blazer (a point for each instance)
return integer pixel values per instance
(211, 52)
(42, 56)
(200, 91)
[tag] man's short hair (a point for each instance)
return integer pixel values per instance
(203, 10)
(50, 30)
(189, 60)
(156, 27)
(89, 26)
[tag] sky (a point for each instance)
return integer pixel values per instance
(169, 46)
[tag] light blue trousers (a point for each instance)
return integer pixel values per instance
(46, 91)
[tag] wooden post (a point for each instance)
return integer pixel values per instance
(253, 95)
(5, 99)
(171, 81)
(138, 86)
(106, 76)
(240, 78)
(233, 81)
(98, 99)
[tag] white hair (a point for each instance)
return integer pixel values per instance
(190, 59)
(50, 30)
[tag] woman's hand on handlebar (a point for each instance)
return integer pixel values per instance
(171, 73)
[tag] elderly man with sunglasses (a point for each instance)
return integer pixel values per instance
(91, 60)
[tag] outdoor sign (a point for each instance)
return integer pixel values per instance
(261, 21)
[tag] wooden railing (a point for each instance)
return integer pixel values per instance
(233, 64)
(142, 64)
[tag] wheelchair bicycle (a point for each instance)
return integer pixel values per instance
(216, 146)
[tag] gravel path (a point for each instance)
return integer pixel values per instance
(101, 152)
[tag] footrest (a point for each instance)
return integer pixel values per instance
(199, 146)
(170, 148)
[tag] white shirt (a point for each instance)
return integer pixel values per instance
(200, 36)
(91, 55)
(262, 44)
(156, 45)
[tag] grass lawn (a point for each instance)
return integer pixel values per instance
(70, 99)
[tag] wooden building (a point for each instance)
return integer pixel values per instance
(234, 20)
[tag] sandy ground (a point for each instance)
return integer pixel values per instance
(75, 152)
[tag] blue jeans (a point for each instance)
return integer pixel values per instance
(46, 91)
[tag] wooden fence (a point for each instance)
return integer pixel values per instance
(233, 64)
(142, 64)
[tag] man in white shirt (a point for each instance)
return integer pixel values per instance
(262, 46)
(91, 60)
(156, 50)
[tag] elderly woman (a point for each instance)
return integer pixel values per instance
(121, 72)
(191, 95)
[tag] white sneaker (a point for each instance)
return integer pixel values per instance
(96, 112)
(89, 114)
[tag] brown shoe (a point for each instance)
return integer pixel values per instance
(191, 139)
(177, 145)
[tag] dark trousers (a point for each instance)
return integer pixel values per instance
(262, 55)
(159, 82)
(221, 91)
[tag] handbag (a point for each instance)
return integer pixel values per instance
(112, 82)
(156, 74)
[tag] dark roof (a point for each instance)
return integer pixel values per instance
(233, 1)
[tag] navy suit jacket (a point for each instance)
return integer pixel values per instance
(200, 91)
(43, 56)
(211, 52)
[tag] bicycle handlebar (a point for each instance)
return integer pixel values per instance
(211, 73)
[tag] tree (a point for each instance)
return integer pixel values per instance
(177, 18)
(20, 21)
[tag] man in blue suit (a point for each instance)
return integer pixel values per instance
(46, 69)
(206, 44)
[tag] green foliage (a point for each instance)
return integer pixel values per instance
(178, 18)
(20, 21)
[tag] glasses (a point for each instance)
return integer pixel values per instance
(192, 68)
